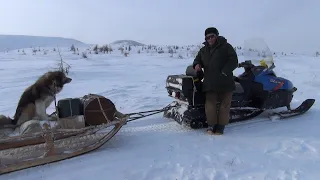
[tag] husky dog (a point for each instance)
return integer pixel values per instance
(37, 98)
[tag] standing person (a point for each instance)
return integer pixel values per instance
(218, 59)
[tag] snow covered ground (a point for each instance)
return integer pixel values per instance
(156, 148)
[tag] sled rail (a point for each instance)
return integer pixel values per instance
(37, 138)
(53, 150)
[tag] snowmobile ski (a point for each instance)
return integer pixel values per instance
(304, 107)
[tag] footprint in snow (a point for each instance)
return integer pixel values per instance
(295, 148)
(284, 175)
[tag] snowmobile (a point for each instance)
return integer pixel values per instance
(258, 89)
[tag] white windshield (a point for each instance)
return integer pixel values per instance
(257, 51)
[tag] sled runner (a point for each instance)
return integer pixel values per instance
(36, 152)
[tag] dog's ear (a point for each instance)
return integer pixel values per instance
(47, 75)
(34, 91)
(45, 78)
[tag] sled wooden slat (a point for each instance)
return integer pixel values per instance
(20, 141)
(52, 149)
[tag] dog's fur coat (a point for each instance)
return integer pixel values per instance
(37, 98)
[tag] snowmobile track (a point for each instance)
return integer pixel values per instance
(163, 127)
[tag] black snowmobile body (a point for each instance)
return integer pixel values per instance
(257, 89)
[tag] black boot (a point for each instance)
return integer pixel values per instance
(219, 129)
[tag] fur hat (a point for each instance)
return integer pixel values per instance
(211, 30)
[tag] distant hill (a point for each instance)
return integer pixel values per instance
(126, 43)
(11, 42)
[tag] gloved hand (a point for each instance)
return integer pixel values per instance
(197, 67)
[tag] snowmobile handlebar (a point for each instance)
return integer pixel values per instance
(246, 64)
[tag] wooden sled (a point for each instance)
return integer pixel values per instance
(21, 152)
(52, 145)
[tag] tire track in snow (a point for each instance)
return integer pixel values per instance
(163, 127)
(173, 126)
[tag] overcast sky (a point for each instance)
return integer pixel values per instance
(288, 25)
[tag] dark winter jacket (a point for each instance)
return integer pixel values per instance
(216, 60)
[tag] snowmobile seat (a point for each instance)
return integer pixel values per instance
(193, 73)
(239, 88)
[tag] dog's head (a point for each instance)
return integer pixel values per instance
(56, 80)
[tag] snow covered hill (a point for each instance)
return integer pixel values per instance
(126, 43)
(12, 42)
(156, 148)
